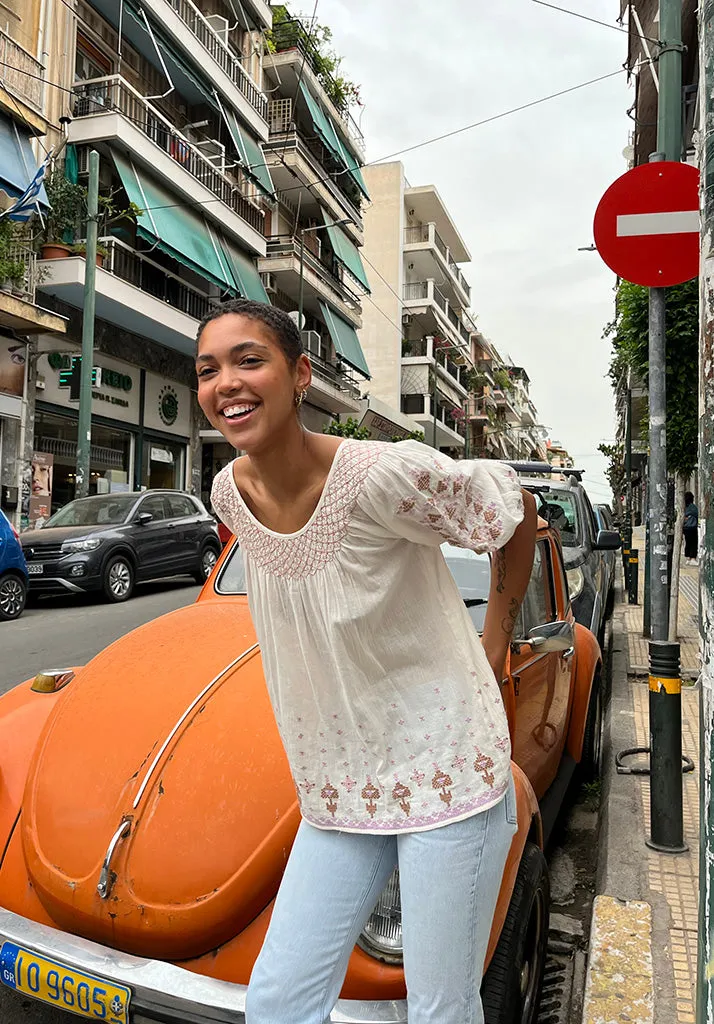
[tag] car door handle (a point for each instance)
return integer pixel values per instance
(569, 653)
(171, 526)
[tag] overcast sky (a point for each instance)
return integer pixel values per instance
(522, 190)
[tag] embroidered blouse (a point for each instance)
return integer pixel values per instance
(390, 714)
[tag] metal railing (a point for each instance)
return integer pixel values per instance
(424, 348)
(222, 54)
(25, 259)
(292, 35)
(114, 94)
(329, 269)
(335, 375)
(135, 268)
(20, 72)
(317, 156)
(417, 234)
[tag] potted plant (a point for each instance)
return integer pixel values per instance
(407, 347)
(80, 249)
(67, 202)
(15, 271)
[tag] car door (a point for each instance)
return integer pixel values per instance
(596, 561)
(153, 541)
(185, 520)
(541, 681)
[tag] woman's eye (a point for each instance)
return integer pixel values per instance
(206, 370)
(251, 361)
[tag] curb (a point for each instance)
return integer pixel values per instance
(619, 983)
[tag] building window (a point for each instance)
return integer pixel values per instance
(164, 463)
(413, 405)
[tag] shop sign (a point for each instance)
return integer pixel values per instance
(161, 455)
(12, 366)
(116, 393)
(167, 406)
(41, 488)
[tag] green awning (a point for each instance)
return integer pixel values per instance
(245, 273)
(250, 154)
(355, 172)
(346, 252)
(327, 131)
(345, 339)
(174, 227)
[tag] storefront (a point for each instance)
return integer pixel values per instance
(12, 384)
(141, 424)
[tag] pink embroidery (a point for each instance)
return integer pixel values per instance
(417, 776)
(330, 795)
(348, 783)
(442, 781)
(371, 794)
(459, 762)
(401, 794)
(483, 764)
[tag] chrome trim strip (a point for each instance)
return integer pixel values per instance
(57, 579)
(104, 884)
(183, 718)
(165, 990)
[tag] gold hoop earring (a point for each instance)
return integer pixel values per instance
(299, 399)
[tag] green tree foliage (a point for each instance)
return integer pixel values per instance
(351, 428)
(629, 332)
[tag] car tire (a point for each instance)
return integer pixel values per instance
(209, 557)
(511, 986)
(118, 579)
(591, 760)
(13, 596)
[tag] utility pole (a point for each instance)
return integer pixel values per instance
(705, 988)
(84, 426)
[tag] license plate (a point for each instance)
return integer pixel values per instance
(34, 569)
(51, 982)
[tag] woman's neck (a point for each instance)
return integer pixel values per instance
(285, 469)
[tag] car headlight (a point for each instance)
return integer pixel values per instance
(382, 935)
(71, 547)
(576, 579)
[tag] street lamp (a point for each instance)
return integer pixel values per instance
(303, 232)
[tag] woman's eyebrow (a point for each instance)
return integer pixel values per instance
(236, 350)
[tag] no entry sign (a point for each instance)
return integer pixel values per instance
(647, 224)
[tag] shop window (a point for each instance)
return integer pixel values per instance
(163, 464)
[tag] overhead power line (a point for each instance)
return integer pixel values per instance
(585, 17)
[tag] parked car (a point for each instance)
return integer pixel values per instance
(147, 810)
(13, 571)
(567, 507)
(109, 542)
(605, 521)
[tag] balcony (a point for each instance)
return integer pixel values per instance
(18, 311)
(443, 430)
(22, 84)
(334, 387)
(423, 243)
(425, 296)
(425, 352)
(478, 409)
(110, 109)
(188, 26)
(134, 292)
(322, 278)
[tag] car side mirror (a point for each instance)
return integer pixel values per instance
(551, 636)
(608, 540)
(143, 518)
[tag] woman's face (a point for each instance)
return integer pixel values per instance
(246, 387)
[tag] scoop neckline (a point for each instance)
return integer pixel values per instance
(321, 500)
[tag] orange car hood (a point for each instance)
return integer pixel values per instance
(211, 816)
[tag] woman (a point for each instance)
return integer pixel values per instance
(386, 700)
(691, 525)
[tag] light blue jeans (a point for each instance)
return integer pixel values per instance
(449, 879)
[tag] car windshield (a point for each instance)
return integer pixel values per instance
(472, 573)
(563, 515)
(101, 510)
(231, 578)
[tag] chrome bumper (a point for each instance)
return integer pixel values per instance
(162, 991)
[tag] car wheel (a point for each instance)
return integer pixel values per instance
(209, 557)
(512, 984)
(118, 579)
(13, 596)
(591, 761)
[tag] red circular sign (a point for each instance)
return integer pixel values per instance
(647, 224)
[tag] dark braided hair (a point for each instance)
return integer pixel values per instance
(282, 326)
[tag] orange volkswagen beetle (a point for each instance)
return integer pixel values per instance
(147, 812)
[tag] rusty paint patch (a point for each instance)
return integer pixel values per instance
(619, 986)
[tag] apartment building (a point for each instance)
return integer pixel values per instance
(312, 267)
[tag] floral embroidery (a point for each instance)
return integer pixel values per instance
(348, 783)
(459, 762)
(442, 781)
(483, 765)
(330, 795)
(401, 794)
(307, 786)
(371, 794)
(417, 776)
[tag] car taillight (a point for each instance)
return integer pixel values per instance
(17, 535)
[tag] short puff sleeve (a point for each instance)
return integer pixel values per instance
(223, 497)
(424, 496)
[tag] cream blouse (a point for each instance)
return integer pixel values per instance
(391, 717)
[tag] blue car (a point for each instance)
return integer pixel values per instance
(13, 571)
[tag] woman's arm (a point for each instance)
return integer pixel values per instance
(510, 572)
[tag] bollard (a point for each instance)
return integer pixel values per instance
(633, 576)
(626, 564)
(666, 811)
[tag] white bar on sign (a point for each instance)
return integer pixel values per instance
(675, 223)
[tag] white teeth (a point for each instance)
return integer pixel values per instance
(237, 410)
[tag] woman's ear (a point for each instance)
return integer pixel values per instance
(303, 373)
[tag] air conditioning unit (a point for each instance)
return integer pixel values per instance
(269, 283)
(219, 26)
(311, 342)
(406, 319)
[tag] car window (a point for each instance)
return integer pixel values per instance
(231, 578)
(538, 604)
(472, 573)
(95, 511)
(563, 514)
(180, 505)
(154, 505)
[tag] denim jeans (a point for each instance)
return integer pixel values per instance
(449, 879)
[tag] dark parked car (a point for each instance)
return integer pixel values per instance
(605, 521)
(567, 507)
(13, 571)
(110, 541)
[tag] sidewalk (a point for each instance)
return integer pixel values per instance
(643, 943)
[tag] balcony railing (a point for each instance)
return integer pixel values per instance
(417, 234)
(328, 269)
(135, 268)
(222, 54)
(424, 348)
(25, 284)
(113, 94)
(21, 73)
(292, 35)
(338, 377)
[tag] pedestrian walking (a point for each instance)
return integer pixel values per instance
(691, 529)
(387, 702)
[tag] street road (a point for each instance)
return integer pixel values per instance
(64, 631)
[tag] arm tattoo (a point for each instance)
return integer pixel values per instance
(500, 560)
(509, 621)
